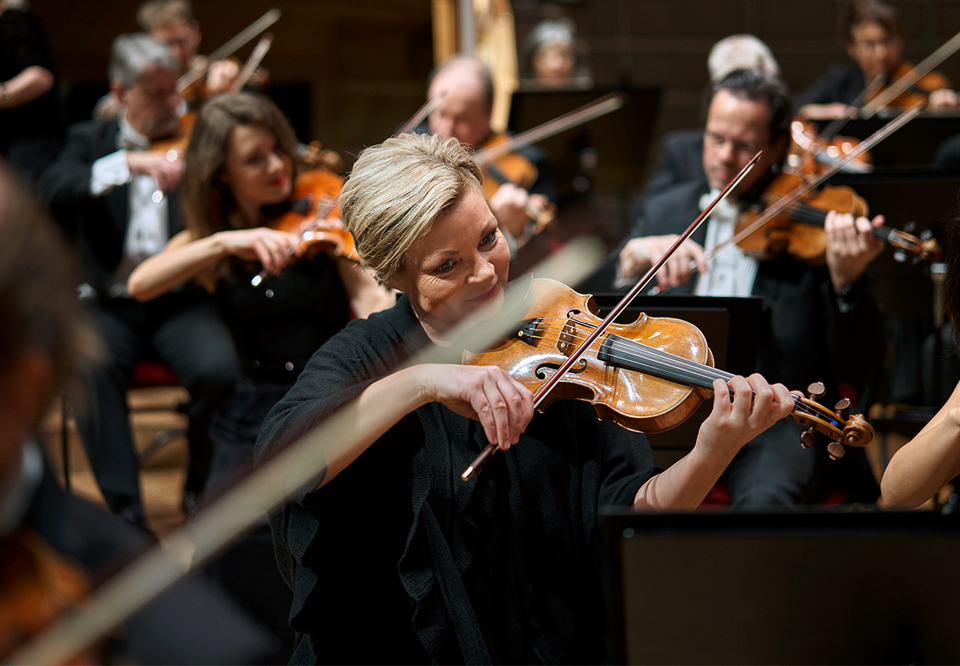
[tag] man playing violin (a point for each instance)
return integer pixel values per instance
(171, 23)
(819, 323)
(873, 35)
(463, 90)
(118, 199)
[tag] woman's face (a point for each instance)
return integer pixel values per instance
(256, 170)
(458, 266)
(553, 64)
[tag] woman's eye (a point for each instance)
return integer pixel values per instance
(444, 267)
(489, 238)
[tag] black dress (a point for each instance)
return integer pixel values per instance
(30, 134)
(396, 560)
(276, 327)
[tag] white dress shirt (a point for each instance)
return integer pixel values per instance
(730, 272)
(148, 228)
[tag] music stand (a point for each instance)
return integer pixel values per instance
(808, 588)
(732, 328)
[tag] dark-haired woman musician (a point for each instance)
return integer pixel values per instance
(392, 557)
(240, 162)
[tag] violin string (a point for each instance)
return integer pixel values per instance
(632, 351)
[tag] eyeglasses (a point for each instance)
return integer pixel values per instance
(743, 147)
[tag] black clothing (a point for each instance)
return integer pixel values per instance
(183, 331)
(190, 623)
(681, 160)
(30, 134)
(276, 328)
(841, 84)
(97, 224)
(502, 569)
(180, 329)
(805, 337)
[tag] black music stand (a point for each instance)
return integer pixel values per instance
(731, 326)
(800, 588)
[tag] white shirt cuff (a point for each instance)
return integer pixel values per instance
(108, 172)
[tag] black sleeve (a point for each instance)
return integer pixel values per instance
(31, 48)
(364, 351)
(66, 182)
(825, 90)
(857, 340)
(627, 463)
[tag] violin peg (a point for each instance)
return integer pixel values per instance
(835, 450)
(899, 256)
(926, 235)
(807, 438)
(816, 390)
(842, 408)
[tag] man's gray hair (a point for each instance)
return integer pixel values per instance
(132, 54)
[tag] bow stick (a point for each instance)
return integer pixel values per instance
(227, 49)
(250, 66)
(548, 385)
(904, 82)
(595, 109)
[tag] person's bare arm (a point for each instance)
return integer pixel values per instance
(28, 85)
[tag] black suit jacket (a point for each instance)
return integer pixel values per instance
(97, 224)
(804, 337)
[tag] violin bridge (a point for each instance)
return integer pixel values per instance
(567, 341)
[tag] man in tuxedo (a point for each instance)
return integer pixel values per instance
(118, 200)
(818, 323)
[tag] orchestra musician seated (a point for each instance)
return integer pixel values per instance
(819, 323)
(681, 151)
(171, 23)
(118, 199)
(241, 161)
(503, 568)
(463, 90)
(873, 35)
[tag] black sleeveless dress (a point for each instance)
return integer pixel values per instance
(276, 328)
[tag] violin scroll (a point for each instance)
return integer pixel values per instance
(843, 428)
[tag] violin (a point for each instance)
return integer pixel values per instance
(313, 201)
(799, 228)
(38, 585)
(810, 154)
(175, 145)
(916, 92)
(512, 167)
(647, 376)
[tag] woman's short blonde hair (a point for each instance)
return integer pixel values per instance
(397, 190)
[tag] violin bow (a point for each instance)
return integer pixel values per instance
(904, 82)
(804, 189)
(421, 113)
(575, 355)
(250, 66)
(276, 479)
(595, 109)
(232, 45)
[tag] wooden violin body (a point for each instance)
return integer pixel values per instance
(647, 376)
(512, 167)
(314, 199)
(37, 587)
(918, 92)
(799, 228)
(810, 154)
(559, 318)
